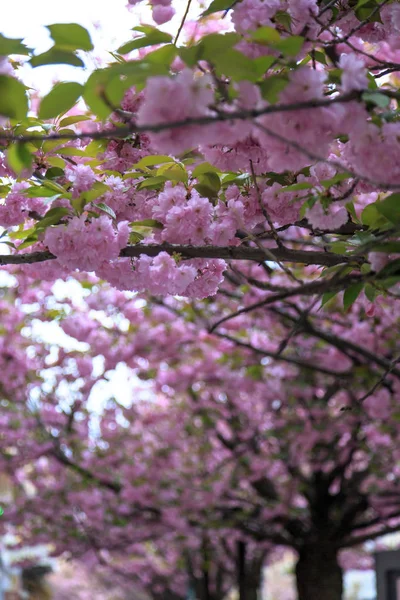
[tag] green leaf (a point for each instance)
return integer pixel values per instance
(39, 191)
(56, 56)
(390, 208)
(56, 161)
(29, 241)
(372, 217)
(19, 157)
(370, 292)
(107, 209)
(255, 372)
(151, 161)
(376, 98)
(13, 99)
(54, 173)
(152, 183)
(162, 56)
(388, 247)
(217, 6)
(338, 247)
(338, 178)
(147, 223)
(190, 54)
(266, 35)
(216, 43)
(327, 297)
(320, 57)
(290, 46)
(73, 119)
(70, 36)
(351, 294)
(94, 92)
(70, 151)
(12, 46)
(303, 185)
(173, 172)
(52, 217)
(61, 98)
(209, 184)
(153, 37)
(235, 65)
(272, 87)
(135, 237)
(204, 168)
(391, 269)
(21, 233)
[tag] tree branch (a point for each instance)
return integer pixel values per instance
(125, 131)
(289, 359)
(308, 289)
(305, 257)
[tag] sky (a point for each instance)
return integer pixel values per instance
(109, 22)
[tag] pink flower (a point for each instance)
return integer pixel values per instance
(189, 223)
(175, 99)
(82, 178)
(281, 206)
(354, 76)
(162, 14)
(85, 245)
(332, 217)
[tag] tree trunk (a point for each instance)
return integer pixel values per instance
(318, 574)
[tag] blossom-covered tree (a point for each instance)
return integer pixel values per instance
(226, 201)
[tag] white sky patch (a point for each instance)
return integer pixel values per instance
(109, 23)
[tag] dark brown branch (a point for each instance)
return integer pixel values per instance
(342, 344)
(125, 131)
(325, 259)
(357, 541)
(308, 289)
(63, 459)
(288, 359)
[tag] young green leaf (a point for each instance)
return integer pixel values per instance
(70, 36)
(19, 157)
(13, 99)
(351, 294)
(218, 5)
(106, 209)
(12, 46)
(153, 37)
(61, 98)
(56, 56)
(390, 208)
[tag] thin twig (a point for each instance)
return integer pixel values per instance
(182, 22)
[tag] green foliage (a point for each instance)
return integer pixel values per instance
(376, 98)
(390, 208)
(151, 37)
(12, 46)
(152, 160)
(209, 184)
(173, 171)
(106, 209)
(13, 98)
(351, 294)
(61, 98)
(70, 36)
(218, 5)
(147, 223)
(18, 157)
(56, 56)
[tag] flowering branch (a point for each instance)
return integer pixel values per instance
(305, 257)
(242, 115)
